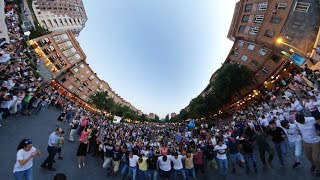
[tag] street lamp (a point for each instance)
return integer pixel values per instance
(280, 41)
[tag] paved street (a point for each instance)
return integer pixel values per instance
(39, 127)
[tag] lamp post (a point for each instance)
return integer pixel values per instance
(280, 41)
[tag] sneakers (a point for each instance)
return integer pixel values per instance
(83, 164)
(296, 165)
(79, 166)
(60, 157)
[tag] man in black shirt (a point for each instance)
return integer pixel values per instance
(117, 155)
(277, 135)
(235, 155)
(249, 156)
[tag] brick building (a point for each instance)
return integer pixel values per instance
(59, 51)
(255, 30)
(58, 15)
(65, 62)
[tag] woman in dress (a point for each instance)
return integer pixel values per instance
(23, 166)
(82, 151)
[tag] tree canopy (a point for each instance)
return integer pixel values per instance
(229, 80)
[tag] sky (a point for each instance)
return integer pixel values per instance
(160, 54)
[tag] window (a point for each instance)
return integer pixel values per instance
(251, 46)
(63, 36)
(77, 56)
(82, 76)
(62, 47)
(84, 97)
(97, 82)
(66, 53)
(301, 7)
(295, 23)
(72, 50)
(81, 65)
(265, 70)
(241, 29)
(63, 80)
(254, 63)
(269, 33)
(76, 70)
(275, 19)
(282, 5)
(262, 6)
(258, 18)
(245, 18)
(262, 51)
(240, 43)
(68, 43)
(254, 30)
(244, 58)
(77, 92)
(248, 8)
(70, 87)
(91, 77)
(87, 72)
(70, 59)
(275, 58)
(235, 53)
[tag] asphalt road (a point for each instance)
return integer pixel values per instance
(39, 127)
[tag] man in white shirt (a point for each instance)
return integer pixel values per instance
(311, 141)
(133, 162)
(178, 166)
(164, 164)
(52, 149)
(222, 161)
(296, 105)
(294, 139)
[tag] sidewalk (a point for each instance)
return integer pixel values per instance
(3, 26)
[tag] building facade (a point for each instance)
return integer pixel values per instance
(58, 15)
(59, 51)
(65, 62)
(256, 28)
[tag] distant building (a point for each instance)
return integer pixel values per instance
(151, 116)
(173, 114)
(57, 15)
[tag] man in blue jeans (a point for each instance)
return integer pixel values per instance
(222, 161)
(235, 155)
(52, 149)
(278, 135)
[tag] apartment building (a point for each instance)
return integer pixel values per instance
(58, 15)
(58, 51)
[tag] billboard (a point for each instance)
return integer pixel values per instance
(297, 58)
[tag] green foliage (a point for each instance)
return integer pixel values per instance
(104, 102)
(229, 80)
(167, 119)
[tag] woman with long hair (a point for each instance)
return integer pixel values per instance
(23, 166)
(82, 151)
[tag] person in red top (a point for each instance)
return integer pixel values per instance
(83, 124)
(163, 150)
(198, 162)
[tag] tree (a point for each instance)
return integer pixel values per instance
(157, 118)
(167, 119)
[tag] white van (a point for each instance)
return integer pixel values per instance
(117, 119)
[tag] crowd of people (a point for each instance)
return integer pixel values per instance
(288, 118)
